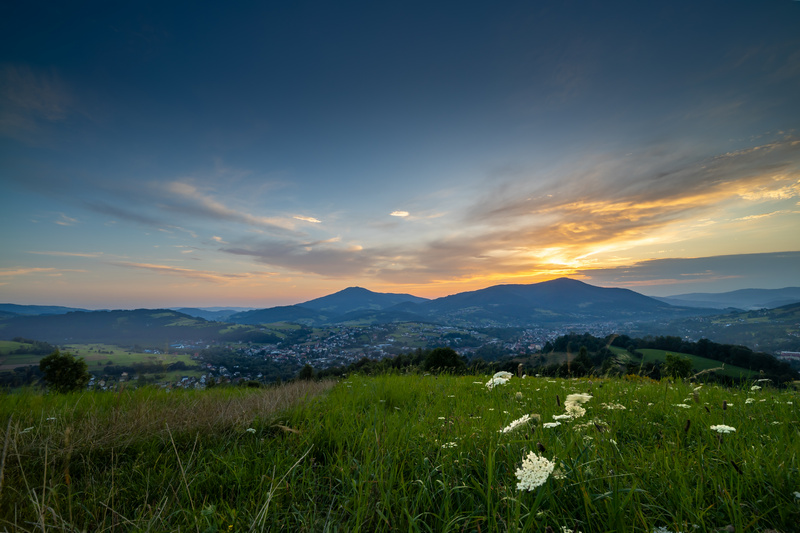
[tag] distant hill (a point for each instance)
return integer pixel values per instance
(744, 299)
(331, 308)
(283, 313)
(28, 310)
(561, 300)
(147, 326)
(214, 314)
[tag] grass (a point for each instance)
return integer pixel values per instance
(408, 452)
(97, 356)
(698, 363)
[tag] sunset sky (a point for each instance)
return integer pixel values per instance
(157, 154)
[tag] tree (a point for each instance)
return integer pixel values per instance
(64, 373)
(306, 373)
(443, 359)
(677, 366)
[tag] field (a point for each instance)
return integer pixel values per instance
(698, 363)
(97, 356)
(403, 452)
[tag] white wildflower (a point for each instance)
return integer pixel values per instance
(496, 381)
(548, 425)
(750, 400)
(723, 429)
(683, 405)
(797, 495)
(578, 398)
(534, 471)
(449, 445)
(612, 406)
(250, 430)
(516, 424)
(755, 388)
(518, 396)
(562, 417)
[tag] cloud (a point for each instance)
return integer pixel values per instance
(64, 220)
(669, 276)
(29, 98)
(125, 214)
(307, 219)
(68, 254)
(24, 271)
(399, 213)
(190, 200)
(204, 275)
(326, 258)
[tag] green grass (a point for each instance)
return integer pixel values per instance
(9, 346)
(698, 363)
(97, 361)
(407, 453)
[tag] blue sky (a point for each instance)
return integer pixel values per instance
(268, 153)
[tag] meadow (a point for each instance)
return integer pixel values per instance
(404, 452)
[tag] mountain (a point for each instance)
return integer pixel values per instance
(283, 313)
(742, 299)
(349, 301)
(149, 326)
(27, 310)
(213, 314)
(561, 300)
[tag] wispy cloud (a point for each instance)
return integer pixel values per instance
(24, 271)
(64, 220)
(30, 97)
(307, 219)
(204, 275)
(67, 254)
(665, 276)
(399, 213)
(187, 199)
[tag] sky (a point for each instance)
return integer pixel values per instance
(161, 154)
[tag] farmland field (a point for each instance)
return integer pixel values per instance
(97, 356)
(407, 452)
(698, 363)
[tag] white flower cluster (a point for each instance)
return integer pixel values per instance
(723, 429)
(613, 406)
(534, 471)
(516, 424)
(501, 378)
(755, 388)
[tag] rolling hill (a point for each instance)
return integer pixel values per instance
(745, 299)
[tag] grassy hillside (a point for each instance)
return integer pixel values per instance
(408, 453)
(698, 363)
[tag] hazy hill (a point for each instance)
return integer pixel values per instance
(283, 313)
(214, 314)
(327, 309)
(741, 299)
(152, 326)
(357, 299)
(28, 310)
(561, 300)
